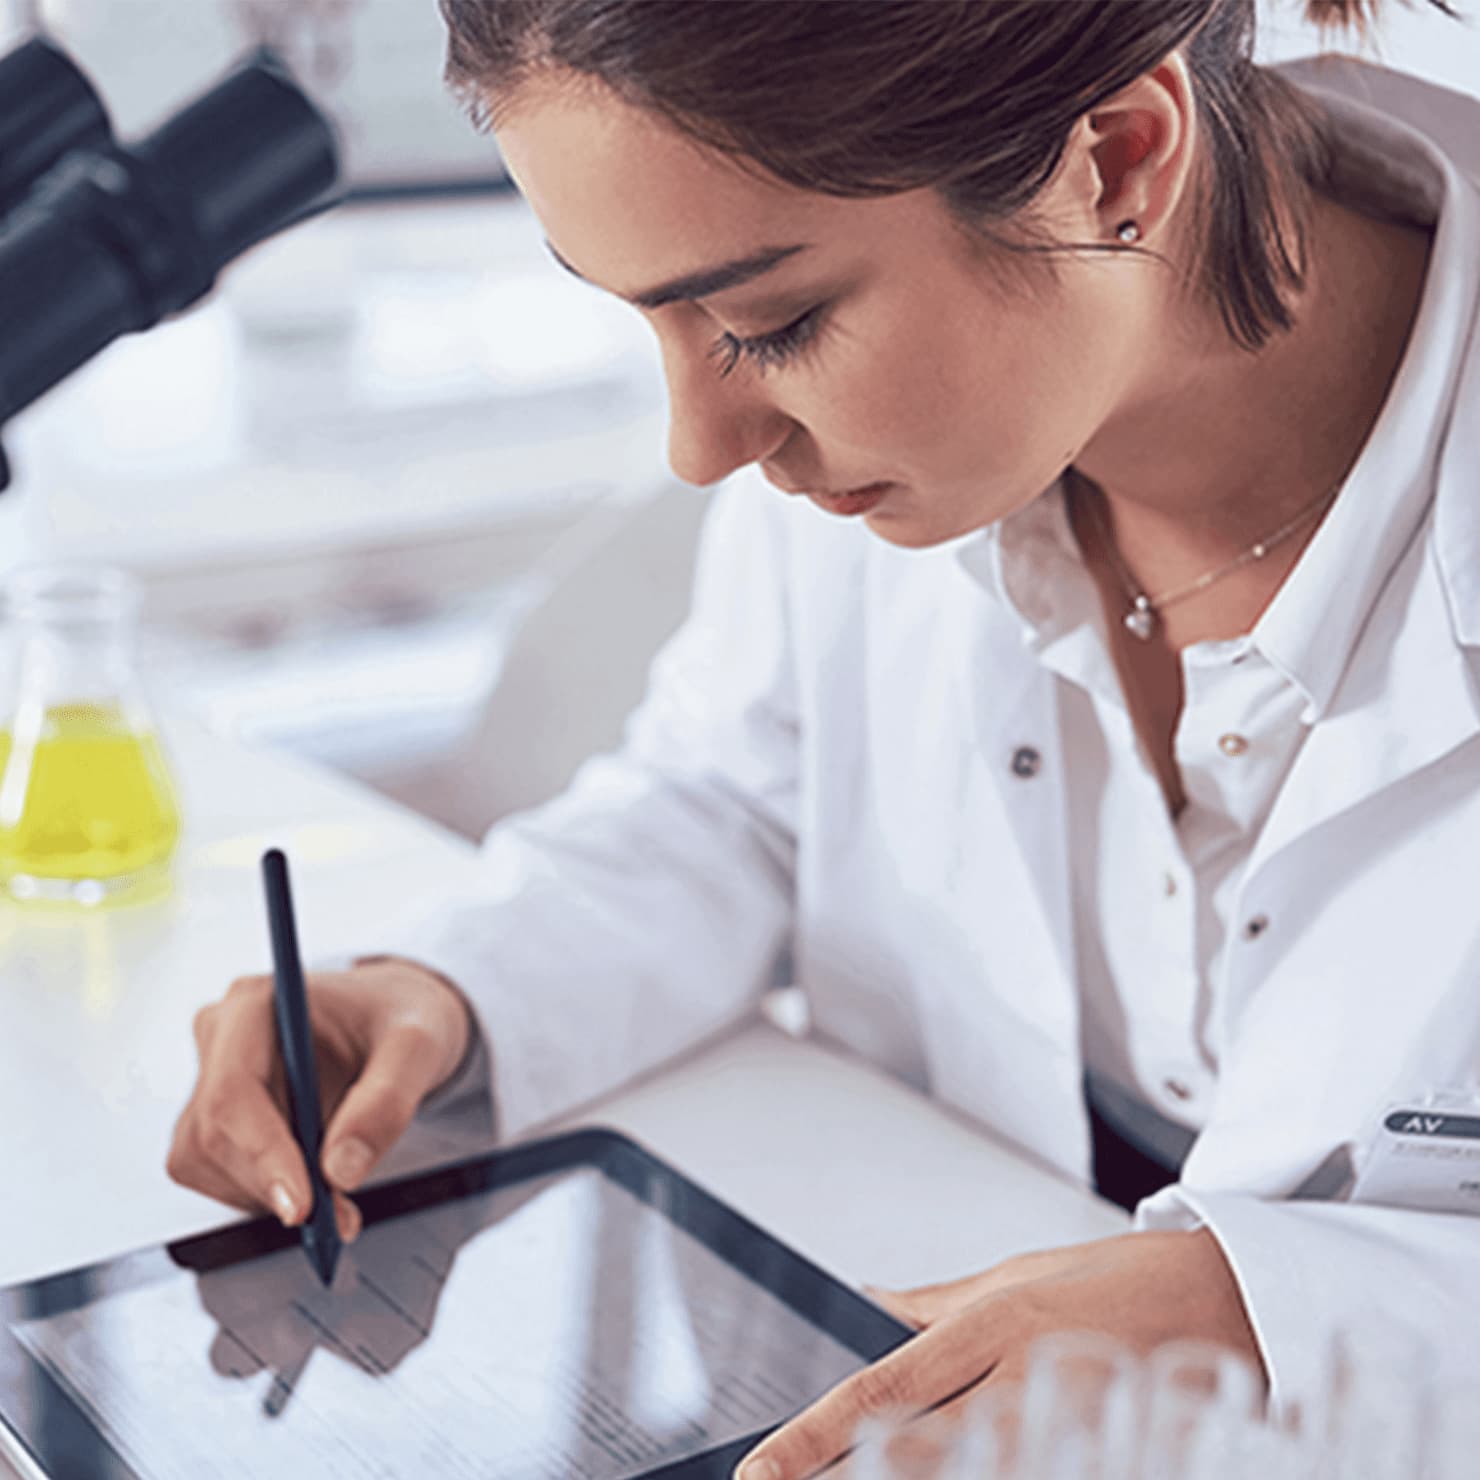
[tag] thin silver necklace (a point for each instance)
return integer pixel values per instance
(1144, 616)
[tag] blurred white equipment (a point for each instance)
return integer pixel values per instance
(610, 593)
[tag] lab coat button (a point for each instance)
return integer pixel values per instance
(1256, 927)
(1232, 744)
(1169, 885)
(1026, 762)
(1177, 1089)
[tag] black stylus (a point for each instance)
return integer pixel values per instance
(295, 1041)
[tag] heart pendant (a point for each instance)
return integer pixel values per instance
(1141, 623)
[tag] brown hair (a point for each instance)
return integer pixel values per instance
(972, 98)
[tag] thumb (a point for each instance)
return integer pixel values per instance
(927, 1304)
(897, 1303)
(380, 1104)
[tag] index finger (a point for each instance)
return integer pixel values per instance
(927, 1370)
(236, 1129)
(242, 1031)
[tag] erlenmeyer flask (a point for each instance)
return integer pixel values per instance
(87, 807)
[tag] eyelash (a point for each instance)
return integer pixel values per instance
(767, 351)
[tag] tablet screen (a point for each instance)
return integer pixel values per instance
(561, 1328)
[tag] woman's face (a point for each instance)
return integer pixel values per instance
(864, 348)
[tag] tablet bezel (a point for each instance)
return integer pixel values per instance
(57, 1438)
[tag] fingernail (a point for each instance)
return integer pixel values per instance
(759, 1469)
(347, 1162)
(282, 1203)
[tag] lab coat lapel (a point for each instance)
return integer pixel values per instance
(1412, 692)
(1012, 703)
(1398, 712)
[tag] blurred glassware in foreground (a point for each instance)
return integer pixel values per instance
(87, 807)
(1089, 1410)
(1081, 1408)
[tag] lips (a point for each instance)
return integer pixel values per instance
(858, 492)
(854, 501)
(844, 501)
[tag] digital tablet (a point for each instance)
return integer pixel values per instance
(569, 1309)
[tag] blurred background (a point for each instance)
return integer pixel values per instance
(396, 491)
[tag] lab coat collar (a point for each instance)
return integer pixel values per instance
(1314, 624)
(1410, 694)
(1457, 498)
(1450, 122)
(1408, 698)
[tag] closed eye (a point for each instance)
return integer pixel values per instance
(768, 351)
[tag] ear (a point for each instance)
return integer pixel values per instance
(1137, 150)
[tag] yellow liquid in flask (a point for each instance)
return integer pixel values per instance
(90, 798)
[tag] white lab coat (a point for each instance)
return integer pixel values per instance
(825, 766)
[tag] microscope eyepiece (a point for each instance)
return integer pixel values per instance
(113, 239)
(246, 158)
(48, 108)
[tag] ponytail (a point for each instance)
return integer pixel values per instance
(1355, 15)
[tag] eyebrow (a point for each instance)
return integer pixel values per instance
(707, 280)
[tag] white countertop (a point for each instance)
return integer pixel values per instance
(861, 1173)
(96, 1057)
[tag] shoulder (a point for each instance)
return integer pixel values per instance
(1450, 120)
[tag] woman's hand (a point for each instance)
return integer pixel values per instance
(386, 1033)
(1141, 1288)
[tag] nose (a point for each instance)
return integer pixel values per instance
(716, 424)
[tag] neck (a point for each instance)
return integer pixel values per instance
(1216, 447)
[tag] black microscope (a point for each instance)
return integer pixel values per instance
(99, 239)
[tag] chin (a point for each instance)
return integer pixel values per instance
(920, 523)
(917, 531)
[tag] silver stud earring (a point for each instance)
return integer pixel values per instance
(1128, 232)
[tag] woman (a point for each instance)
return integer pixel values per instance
(1100, 733)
